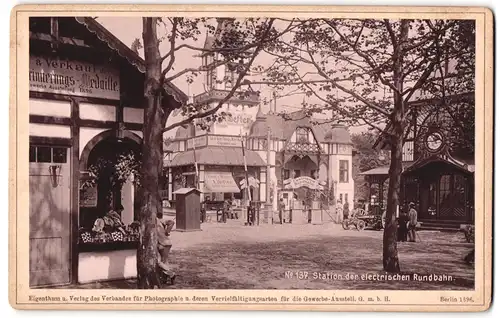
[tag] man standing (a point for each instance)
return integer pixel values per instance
(412, 222)
(346, 210)
(281, 210)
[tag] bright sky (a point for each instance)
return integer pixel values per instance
(129, 28)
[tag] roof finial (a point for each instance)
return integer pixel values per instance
(260, 114)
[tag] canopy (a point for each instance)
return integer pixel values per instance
(217, 181)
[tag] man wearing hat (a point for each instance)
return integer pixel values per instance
(412, 222)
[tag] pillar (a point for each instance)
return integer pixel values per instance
(170, 184)
(381, 193)
(127, 200)
(201, 181)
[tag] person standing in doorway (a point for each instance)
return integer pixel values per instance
(412, 222)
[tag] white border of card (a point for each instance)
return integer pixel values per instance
(22, 297)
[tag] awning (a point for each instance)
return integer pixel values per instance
(222, 156)
(383, 170)
(217, 181)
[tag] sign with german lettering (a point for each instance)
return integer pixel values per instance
(222, 182)
(198, 142)
(303, 182)
(68, 77)
(224, 141)
(88, 197)
(237, 118)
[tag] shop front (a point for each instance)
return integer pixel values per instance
(216, 166)
(86, 90)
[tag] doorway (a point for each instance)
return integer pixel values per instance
(49, 215)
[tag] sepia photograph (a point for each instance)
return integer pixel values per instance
(251, 154)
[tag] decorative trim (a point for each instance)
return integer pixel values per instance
(96, 139)
(55, 141)
(75, 190)
(49, 120)
(124, 51)
(78, 99)
(89, 123)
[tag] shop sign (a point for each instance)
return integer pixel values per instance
(198, 142)
(237, 119)
(88, 197)
(306, 182)
(222, 182)
(224, 141)
(60, 76)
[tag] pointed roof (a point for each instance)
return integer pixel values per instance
(124, 51)
(282, 128)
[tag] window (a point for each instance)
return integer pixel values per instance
(314, 173)
(286, 174)
(302, 135)
(59, 155)
(296, 173)
(344, 171)
(210, 78)
(43, 154)
(32, 153)
(445, 190)
(47, 154)
(228, 78)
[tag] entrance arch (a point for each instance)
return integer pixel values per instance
(100, 137)
(108, 194)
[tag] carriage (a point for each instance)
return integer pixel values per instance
(360, 220)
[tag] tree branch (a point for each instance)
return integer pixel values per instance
(365, 56)
(233, 90)
(348, 91)
(171, 52)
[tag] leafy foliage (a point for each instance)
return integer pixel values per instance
(366, 158)
(115, 169)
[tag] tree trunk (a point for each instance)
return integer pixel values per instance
(147, 275)
(390, 257)
(390, 250)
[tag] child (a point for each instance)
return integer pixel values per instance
(163, 228)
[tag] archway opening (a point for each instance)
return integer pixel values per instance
(112, 177)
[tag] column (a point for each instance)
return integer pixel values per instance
(201, 181)
(262, 184)
(170, 184)
(381, 193)
(127, 196)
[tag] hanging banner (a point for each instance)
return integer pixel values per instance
(59, 76)
(306, 182)
(254, 183)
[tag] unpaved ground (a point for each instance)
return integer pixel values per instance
(232, 256)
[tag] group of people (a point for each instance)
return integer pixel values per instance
(407, 224)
